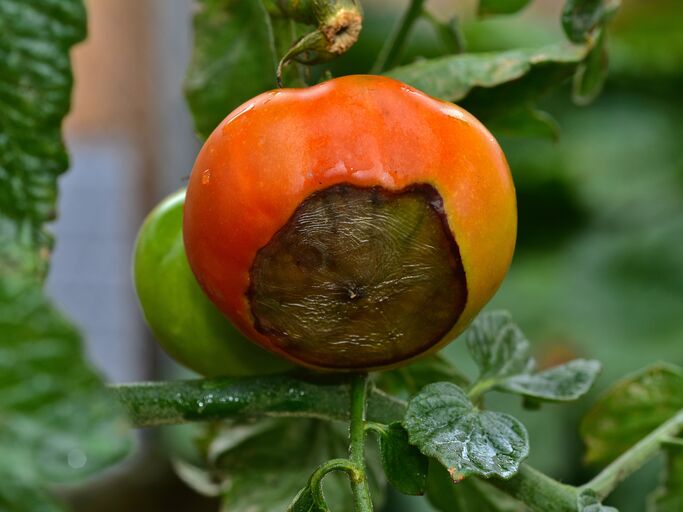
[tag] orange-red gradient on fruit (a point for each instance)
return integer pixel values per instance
(274, 151)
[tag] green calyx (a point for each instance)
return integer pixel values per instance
(338, 24)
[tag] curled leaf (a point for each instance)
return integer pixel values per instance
(562, 383)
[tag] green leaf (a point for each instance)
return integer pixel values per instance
(630, 410)
(497, 345)
(559, 384)
(466, 496)
(404, 465)
(492, 84)
(591, 74)
(410, 379)
(588, 502)
(260, 467)
(502, 88)
(669, 496)
(487, 7)
(57, 425)
(502, 353)
(443, 423)
(581, 17)
(35, 87)
(233, 58)
(304, 502)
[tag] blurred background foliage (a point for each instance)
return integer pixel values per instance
(599, 268)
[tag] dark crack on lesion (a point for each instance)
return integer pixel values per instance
(360, 277)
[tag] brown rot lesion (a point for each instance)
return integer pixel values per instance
(360, 277)
(355, 291)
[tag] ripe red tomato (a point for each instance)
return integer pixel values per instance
(355, 224)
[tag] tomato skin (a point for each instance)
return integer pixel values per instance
(271, 153)
(183, 320)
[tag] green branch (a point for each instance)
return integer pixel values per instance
(538, 491)
(151, 404)
(393, 46)
(315, 482)
(633, 459)
(480, 388)
(361, 491)
(328, 397)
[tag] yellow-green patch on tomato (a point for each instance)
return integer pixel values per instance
(183, 320)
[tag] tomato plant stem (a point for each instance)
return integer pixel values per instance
(150, 404)
(538, 491)
(480, 388)
(359, 486)
(633, 459)
(164, 403)
(316, 479)
(393, 46)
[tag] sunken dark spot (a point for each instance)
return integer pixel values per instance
(360, 277)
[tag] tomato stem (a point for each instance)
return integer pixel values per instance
(361, 491)
(165, 403)
(538, 491)
(338, 25)
(151, 404)
(480, 388)
(609, 478)
(316, 479)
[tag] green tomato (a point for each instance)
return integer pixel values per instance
(183, 320)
